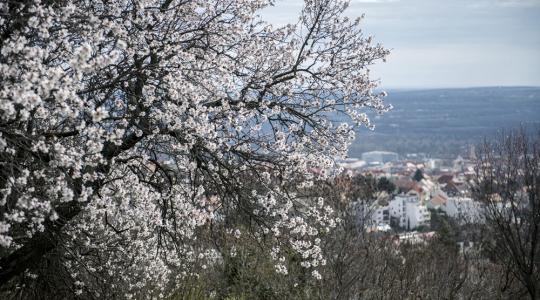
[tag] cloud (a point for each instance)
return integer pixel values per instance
(446, 42)
(519, 3)
(504, 3)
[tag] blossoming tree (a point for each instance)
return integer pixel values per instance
(128, 126)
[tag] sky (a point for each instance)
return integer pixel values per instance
(446, 43)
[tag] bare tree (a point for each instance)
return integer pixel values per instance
(507, 182)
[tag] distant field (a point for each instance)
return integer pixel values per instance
(444, 122)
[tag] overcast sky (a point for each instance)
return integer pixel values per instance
(446, 43)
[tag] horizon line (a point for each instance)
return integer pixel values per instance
(418, 88)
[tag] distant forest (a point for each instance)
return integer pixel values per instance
(445, 122)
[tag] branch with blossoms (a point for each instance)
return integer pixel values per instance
(128, 127)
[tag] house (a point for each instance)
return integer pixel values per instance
(404, 183)
(427, 188)
(438, 200)
(455, 189)
(445, 179)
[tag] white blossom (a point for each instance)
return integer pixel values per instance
(129, 127)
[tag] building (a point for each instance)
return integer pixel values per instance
(376, 213)
(427, 188)
(379, 157)
(351, 163)
(438, 200)
(414, 238)
(445, 179)
(379, 215)
(464, 209)
(409, 212)
(434, 163)
(455, 189)
(379, 228)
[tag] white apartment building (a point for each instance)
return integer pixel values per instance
(410, 212)
(380, 215)
(464, 209)
(373, 214)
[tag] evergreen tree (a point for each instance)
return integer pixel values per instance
(418, 175)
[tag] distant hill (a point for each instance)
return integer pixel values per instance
(443, 122)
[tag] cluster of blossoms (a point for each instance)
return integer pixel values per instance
(128, 127)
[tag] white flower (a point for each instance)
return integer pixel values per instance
(237, 233)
